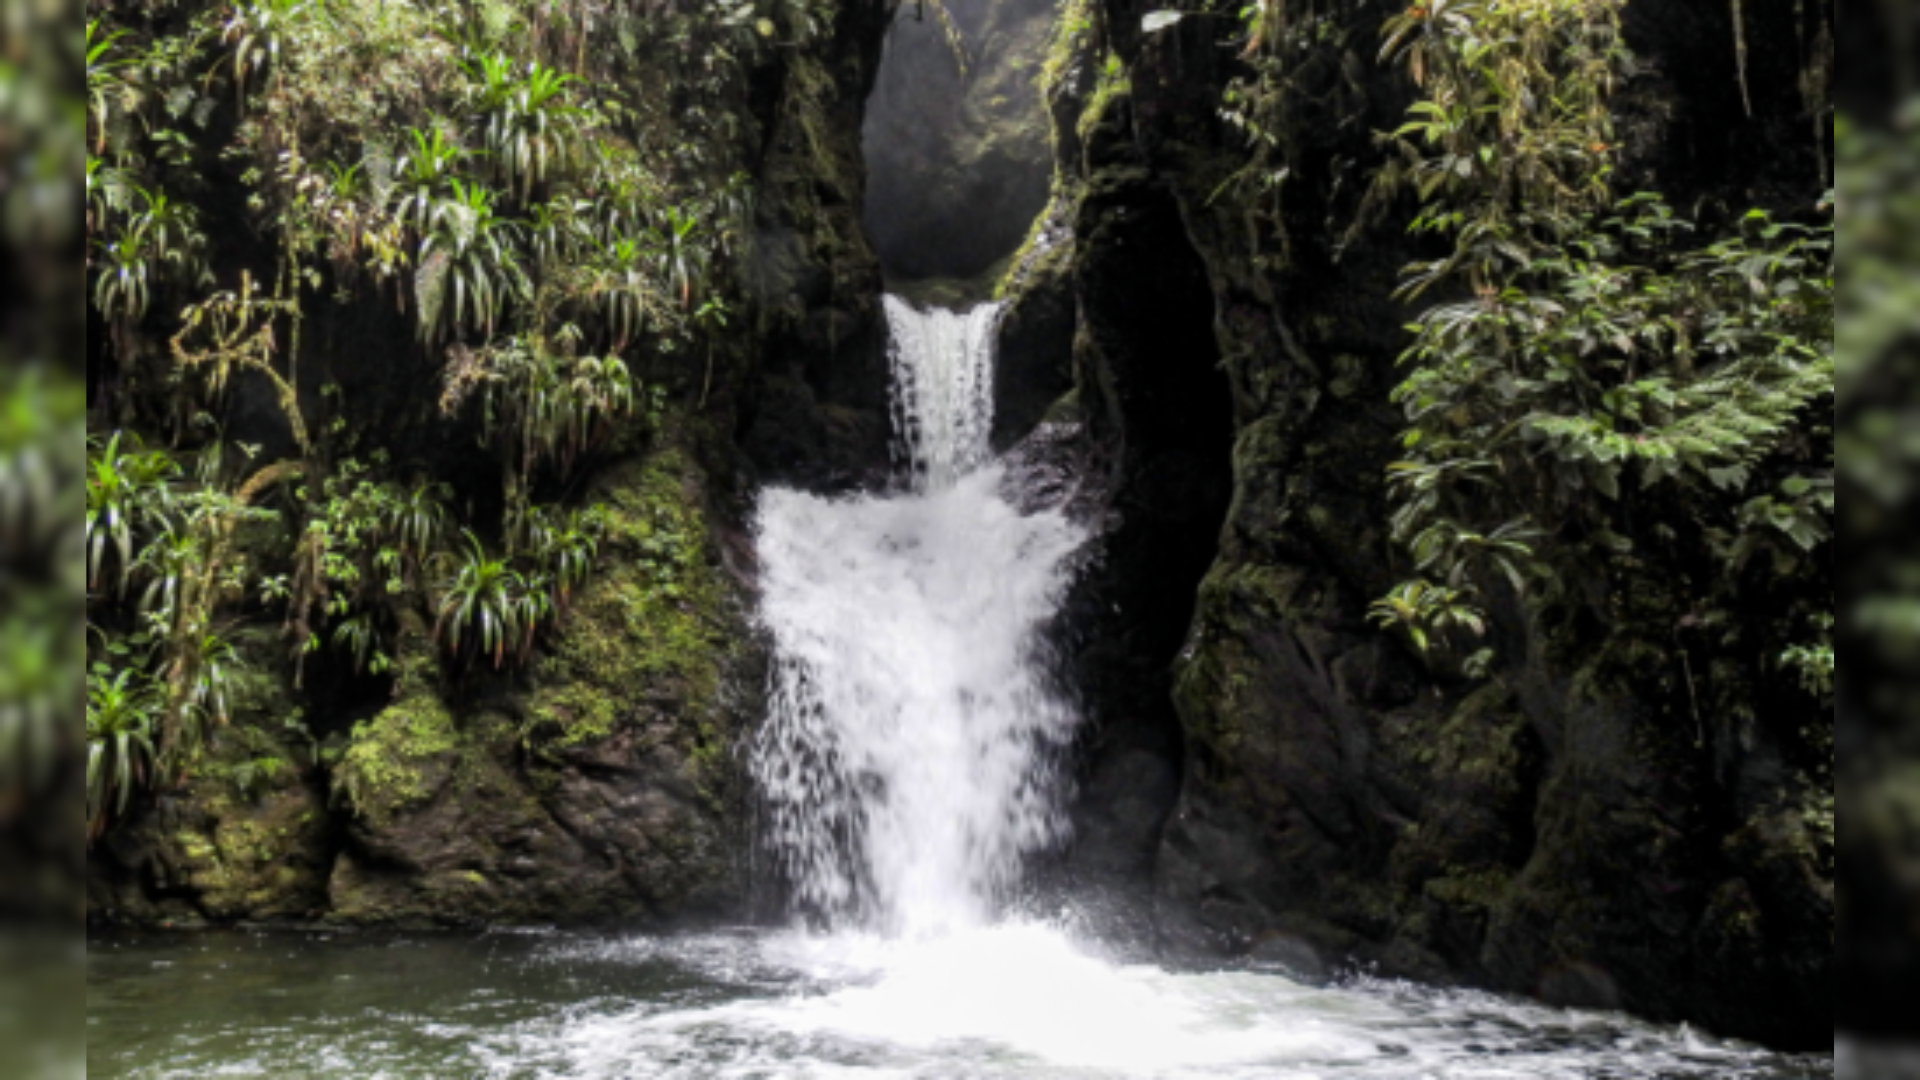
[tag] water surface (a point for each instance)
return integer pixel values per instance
(1014, 1001)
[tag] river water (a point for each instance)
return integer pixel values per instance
(907, 768)
(1016, 1000)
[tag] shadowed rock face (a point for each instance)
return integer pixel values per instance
(957, 162)
(1314, 796)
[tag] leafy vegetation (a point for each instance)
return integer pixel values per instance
(369, 545)
(1598, 368)
(469, 268)
(517, 181)
(129, 496)
(562, 546)
(489, 610)
(1588, 357)
(541, 407)
(122, 721)
(529, 129)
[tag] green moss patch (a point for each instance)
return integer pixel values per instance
(650, 627)
(385, 767)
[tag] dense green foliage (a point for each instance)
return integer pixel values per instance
(1617, 417)
(1593, 368)
(122, 715)
(550, 192)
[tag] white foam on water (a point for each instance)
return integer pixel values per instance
(1022, 1000)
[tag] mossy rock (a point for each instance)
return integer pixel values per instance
(655, 630)
(216, 850)
(598, 788)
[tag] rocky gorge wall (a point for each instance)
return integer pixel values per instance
(1276, 778)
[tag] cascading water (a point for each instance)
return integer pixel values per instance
(905, 764)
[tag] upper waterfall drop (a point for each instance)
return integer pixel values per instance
(907, 764)
(941, 368)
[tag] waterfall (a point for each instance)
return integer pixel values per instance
(906, 762)
(941, 366)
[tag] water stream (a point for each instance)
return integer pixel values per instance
(905, 761)
(907, 769)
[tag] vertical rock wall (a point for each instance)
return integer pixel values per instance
(1572, 828)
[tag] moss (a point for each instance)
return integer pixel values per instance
(576, 713)
(1045, 257)
(194, 846)
(650, 626)
(1071, 31)
(381, 771)
(240, 842)
(1482, 888)
(1113, 85)
(1480, 740)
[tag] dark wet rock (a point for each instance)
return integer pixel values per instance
(1570, 829)
(958, 159)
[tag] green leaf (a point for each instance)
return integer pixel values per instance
(1729, 478)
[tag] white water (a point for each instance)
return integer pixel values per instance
(941, 389)
(1019, 1001)
(906, 763)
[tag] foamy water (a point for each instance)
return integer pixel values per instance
(1024, 1000)
(1013, 1001)
(906, 766)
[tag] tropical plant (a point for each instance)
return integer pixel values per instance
(529, 127)
(121, 715)
(424, 175)
(485, 609)
(1586, 350)
(1512, 144)
(258, 30)
(1422, 610)
(109, 190)
(341, 202)
(369, 547)
(562, 545)
(160, 241)
(207, 704)
(106, 87)
(1600, 365)
(710, 319)
(469, 267)
(559, 231)
(168, 564)
(680, 252)
(539, 406)
(414, 520)
(1814, 665)
(129, 496)
(629, 296)
(359, 637)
